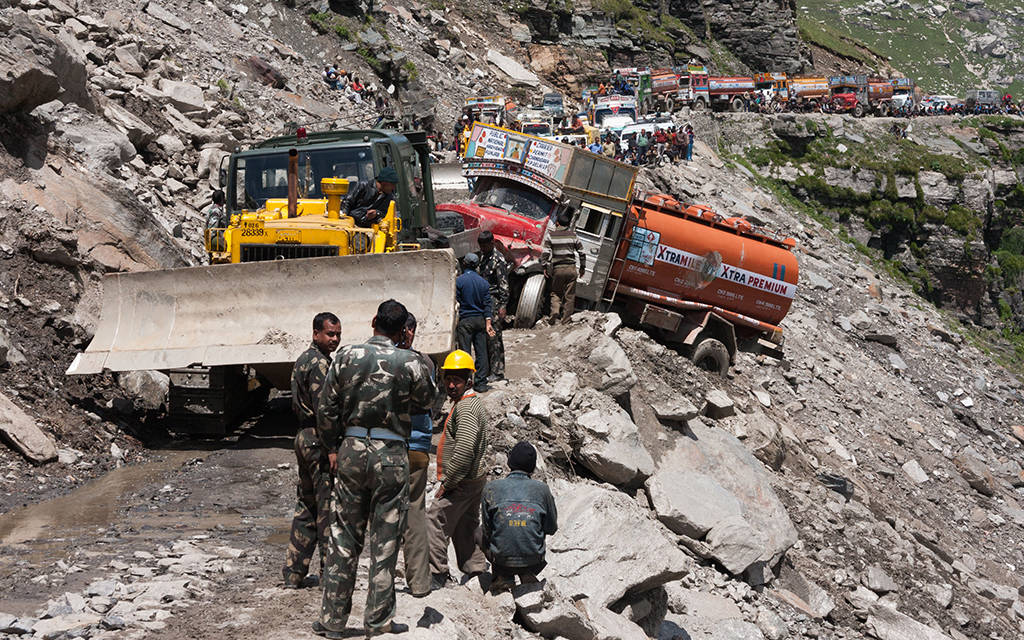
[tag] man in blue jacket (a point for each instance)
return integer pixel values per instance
(473, 293)
(517, 513)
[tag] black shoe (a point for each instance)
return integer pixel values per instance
(324, 632)
(495, 378)
(482, 388)
(391, 627)
(439, 581)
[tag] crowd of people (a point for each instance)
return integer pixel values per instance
(662, 144)
(353, 89)
(366, 428)
(366, 431)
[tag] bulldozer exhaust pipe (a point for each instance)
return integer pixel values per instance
(293, 182)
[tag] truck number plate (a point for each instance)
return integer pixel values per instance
(252, 229)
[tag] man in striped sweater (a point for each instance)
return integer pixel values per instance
(558, 258)
(455, 512)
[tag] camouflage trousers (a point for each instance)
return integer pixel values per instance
(371, 487)
(309, 526)
(496, 345)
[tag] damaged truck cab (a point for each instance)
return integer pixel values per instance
(522, 184)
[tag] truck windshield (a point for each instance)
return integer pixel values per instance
(513, 197)
(541, 129)
(601, 114)
(262, 177)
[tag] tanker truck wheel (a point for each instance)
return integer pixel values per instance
(530, 300)
(736, 105)
(883, 109)
(698, 105)
(711, 355)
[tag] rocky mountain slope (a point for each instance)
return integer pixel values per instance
(949, 47)
(868, 485)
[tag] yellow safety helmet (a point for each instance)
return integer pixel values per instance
(459, 359)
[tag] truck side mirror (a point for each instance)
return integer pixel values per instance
(222, 174)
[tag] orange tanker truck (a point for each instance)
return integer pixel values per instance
(709, 284)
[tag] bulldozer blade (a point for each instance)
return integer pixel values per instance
(261, 313)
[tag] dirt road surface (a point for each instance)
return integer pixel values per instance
(192, 542)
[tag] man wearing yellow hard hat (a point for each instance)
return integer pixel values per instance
(455, 512)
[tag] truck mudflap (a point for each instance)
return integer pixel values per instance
(260, 314)
(769, 331)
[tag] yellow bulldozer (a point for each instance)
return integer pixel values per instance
(289, 253)
(308, 227)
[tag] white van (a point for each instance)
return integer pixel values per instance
(982, 96)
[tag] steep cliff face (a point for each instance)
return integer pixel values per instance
(761, 33)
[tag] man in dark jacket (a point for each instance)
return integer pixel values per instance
(518, 514)
(368, 202)
(473, 294)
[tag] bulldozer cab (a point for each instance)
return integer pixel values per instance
(261, 173)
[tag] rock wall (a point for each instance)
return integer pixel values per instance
(36, 67)
(761, 33)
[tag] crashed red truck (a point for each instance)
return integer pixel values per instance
(704, 283)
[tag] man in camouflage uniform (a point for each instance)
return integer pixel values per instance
(494, 269)
(309, 525)
(364, 422)
(558, 255)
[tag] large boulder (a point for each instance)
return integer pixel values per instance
(617, 376)
(139, 133)
(185, 96)
(611, 446)
(607, 546)
(518, 75)
(105, 145)
(545, 610)
(761, 435)
(147, 388)
(22, 434)
(36, 67)
(690, 503)
(886, 623)
(720, 456)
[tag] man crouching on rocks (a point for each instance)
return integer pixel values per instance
(518, 514)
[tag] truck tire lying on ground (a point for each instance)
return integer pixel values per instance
(736, 105)
(449, 222)
(711, 355)
(530, 301)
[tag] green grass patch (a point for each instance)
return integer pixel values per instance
(410, 68)
(370, 59)
(824, 36)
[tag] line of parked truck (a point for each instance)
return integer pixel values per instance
(635, 92)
